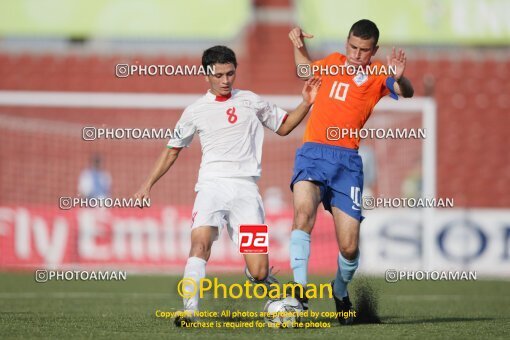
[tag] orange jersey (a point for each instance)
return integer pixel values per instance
(344, 101)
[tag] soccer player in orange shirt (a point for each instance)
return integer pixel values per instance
(327, 167)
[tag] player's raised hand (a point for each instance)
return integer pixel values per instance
(296, 35)
(397, 60)
(310, 90)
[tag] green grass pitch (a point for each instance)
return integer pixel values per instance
(126, 309)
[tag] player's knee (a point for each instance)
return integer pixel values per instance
(303, 221)
(350, 251)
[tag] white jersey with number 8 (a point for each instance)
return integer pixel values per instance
(231, 133)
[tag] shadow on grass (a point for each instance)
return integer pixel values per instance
(367, 302)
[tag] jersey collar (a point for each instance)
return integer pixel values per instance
(218, 98)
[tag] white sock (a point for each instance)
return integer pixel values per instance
(195, 270)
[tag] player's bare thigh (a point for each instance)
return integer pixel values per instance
(202, 239)
(347, 233)
(306, 197)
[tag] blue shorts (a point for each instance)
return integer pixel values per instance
(337, 171)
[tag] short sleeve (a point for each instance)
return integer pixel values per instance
(332, 59)
(184, 131)
(321, 62)
(270, 115)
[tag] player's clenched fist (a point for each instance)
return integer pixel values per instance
(142, 194)
(296, 35)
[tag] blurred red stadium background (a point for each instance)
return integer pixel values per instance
(42, 153)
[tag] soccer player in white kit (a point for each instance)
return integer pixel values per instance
(230, 125)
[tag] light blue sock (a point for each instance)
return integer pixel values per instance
(299, 255)
(344, 274)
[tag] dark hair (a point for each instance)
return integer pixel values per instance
(365, 29)
(218, 55)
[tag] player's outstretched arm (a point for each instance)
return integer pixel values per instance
(402, 85)
(295, 117)
(164, 162)
(297, 36)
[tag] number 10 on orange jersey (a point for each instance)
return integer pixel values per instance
(339, 91)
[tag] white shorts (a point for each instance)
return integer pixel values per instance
(227, 202)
